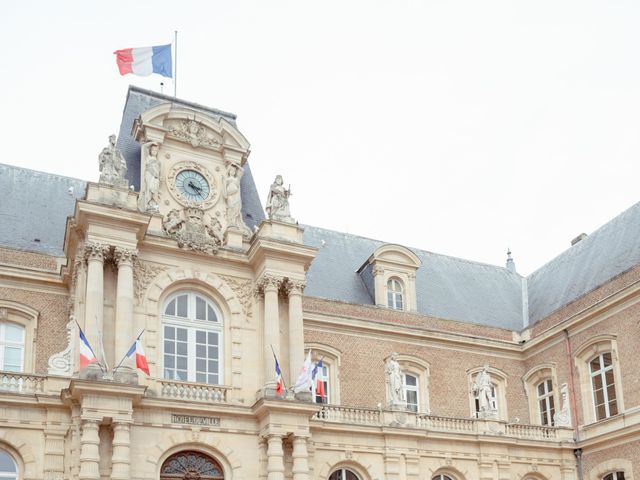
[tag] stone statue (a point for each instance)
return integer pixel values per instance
(150, 197)
(231, 193)
(563, 417)
(173, 222)
(393, 376)
(113, 168)
(214, 229)
(483, 389)
(278, 201)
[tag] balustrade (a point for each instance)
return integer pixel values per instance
(21, 383)
(193, 392)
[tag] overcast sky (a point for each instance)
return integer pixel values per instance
(458, 127)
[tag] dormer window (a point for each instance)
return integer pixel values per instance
(395, 294)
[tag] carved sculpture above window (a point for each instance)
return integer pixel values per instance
(191, 465)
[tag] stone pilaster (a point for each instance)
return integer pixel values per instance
(296, 328)
(89, 452)
(269, 286)
(379, 286)
(121, 458)
(124, 259)
(95, 254)
(275, 457)
(300, 458)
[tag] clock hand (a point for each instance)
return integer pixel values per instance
(196, 188)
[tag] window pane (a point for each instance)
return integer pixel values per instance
(182, 348)
(182, 306)
(411, 380)
(613, 408)
(597, 382)
(399, 305)
(12, 356)
(389, 299)
(213, 338)
(213, 379)
(13, 333)
(182, 363)
(609, 377)
(201, 377)
(549, 386)
(181, 375)
(201, 336)
(212, 315)
(169, 332)
(607, 359)
(600, 412)
(182, 334)
(7, 465)
(201, 351)
(201, 309)
(201, 365)
(171, 308)
(213, 352)
(599, 396)
(540, 389)
(595, 364)
(213, 366)
(169, 347)
(169, 361)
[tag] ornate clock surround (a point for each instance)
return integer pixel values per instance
(214, 193)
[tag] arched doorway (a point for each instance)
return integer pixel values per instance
(191, 465)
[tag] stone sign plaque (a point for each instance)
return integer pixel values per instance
(195, 420)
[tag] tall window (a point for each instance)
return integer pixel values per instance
(604, 389)
(8, 467)
(614, 476)
(192, 331)
(395, 295)
(11, 347)
(411, 390)
(343, 474)
(323, 376)
(545, 402)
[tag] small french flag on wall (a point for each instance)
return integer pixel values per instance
(145, 60)
(86, 352)
(141, 358)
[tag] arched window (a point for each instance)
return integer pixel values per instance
(411, 391)
(545, 402)
(8, 467)
(614, 476)
(191, 465)
(603, 385)
(192, 339)
(395, 294)
(11, 347)
(343, 474)
(442, 477)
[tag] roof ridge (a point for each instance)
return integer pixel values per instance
(15, 167)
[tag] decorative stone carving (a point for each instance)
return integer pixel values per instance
(150, 195)
(96, 251)
(562, 418)
(268, 281)
(62, 363)
(113, 168)
(483, 389)
(393, 378)
(124, 256)
(193, 132)
(78, 265)
(278, 202)
(295, 286)
(233, 198)
(143, 275)
(377, 270)
(192, 233)
(243, 290)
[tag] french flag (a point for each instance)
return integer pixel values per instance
(279, 381)
(141, 358)
(145, 60)
(86, 352)
(317, 380)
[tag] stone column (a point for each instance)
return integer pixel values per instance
(275, 457)
(89, 451)
(296, 330)
(124, 303)
(121, 458)
(300, 459)
(270, 286)
(95, 254)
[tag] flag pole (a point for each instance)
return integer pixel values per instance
(90, 347)
(175, 67)
(125, 355)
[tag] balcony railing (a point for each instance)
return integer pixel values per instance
(193, 392)
(473, 426)
(21, 383)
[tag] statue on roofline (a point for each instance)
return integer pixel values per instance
(278, 202)
(113, 168)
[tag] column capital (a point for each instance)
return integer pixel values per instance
(124, 256)
(96, 251)
(377, 270)
(295, 287)
(268, 282)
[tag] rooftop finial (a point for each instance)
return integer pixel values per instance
(511, 266)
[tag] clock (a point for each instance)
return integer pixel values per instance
(192, 186)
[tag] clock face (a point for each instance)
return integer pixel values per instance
(192, 186)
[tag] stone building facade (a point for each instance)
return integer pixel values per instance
(433, 368)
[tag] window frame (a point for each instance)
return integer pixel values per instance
(343, 470)
(531, 380)
(26, 317)
(331, 360)
(393, 294)
(499, 382)
(10, 475)
(602, 373)
(4, 344)
(411, 388)
(546, 402)
(192, 325)
(420, 369)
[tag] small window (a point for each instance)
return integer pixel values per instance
(411, 390)
(545, 402)
(11, 347)
(343, 474)
(8, 467)
(395, 294)
(614, 476)
(603, 385)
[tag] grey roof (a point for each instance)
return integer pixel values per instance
(34, 208)
(609, 251)
(447, 287)
(140, 100)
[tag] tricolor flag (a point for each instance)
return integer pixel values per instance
(304, 382)
(86, 352)
(145, 61)
(317, 379)
(278, 376)
(141, 358)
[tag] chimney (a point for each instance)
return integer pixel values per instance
(511, 265)
(579, 238)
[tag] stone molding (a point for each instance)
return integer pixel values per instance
(62, 363)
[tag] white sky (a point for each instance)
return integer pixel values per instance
(459, 127)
